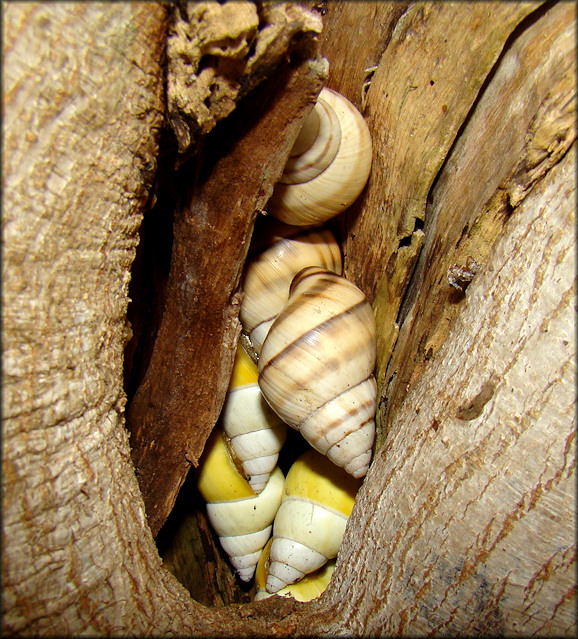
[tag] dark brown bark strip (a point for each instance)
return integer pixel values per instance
(177, 405)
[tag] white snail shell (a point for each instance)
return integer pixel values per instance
(255, 433)
(329, 164)
(241, 519)
(309, 587)
(316, 367)
(308, 530)
(268, 276)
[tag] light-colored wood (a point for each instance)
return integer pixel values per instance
(465, 523)
(83, 106)
(520, 127)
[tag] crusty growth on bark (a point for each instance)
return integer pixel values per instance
(217, 53)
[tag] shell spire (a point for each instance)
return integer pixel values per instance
(255, 433)
(318, 498)
(269, 273)
(316, 367)
(328, 166)
(241, 519)
(310, 587)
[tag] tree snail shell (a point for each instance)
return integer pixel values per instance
(308, 530)
(316, 367)
(328, 166)
(255, 434)
(241, 519)
(308, 588)
(269, 274)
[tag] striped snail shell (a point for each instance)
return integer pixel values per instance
(268, 276)
(308, 588)
(308, 530)
(241, 519)
(328, 166)
(254, 433)
(316, 367)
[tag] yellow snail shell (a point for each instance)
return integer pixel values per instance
(268, 276)
(241, 519)
(308, 530)
(316, 367)
(308, 588)
(328, 166)
(255, 434)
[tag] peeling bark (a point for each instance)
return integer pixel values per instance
(218, 53)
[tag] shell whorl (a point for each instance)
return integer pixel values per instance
(255, 433)
(308, 530)
(268, 276)
(309, 587)
(241, 519)
(328, 166)
(316, 367)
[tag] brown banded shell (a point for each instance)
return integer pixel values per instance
(328, 165)
(316, 367)
(269, 274)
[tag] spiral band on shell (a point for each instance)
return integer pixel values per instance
(330, 167)
(268, 276)
(313, 334)
(316, 367)
(242, 520)
(254, 433)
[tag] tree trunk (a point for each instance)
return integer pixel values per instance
(465, 522)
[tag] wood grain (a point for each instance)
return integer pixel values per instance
(522, 125)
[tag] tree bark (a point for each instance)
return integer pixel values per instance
(464, 524)
(521, 126)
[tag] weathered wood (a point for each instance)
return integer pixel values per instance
(420, 95)
(464, 523)
(218, 53)
(83, 107)
(172, 413)
(365, 29)
(522, 125)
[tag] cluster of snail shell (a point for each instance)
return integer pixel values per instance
(310, 341)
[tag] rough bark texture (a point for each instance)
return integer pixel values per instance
(218, 53)
(522, 125)
(418, 98)
(172, 414)
(83, 108)
(465, 521)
